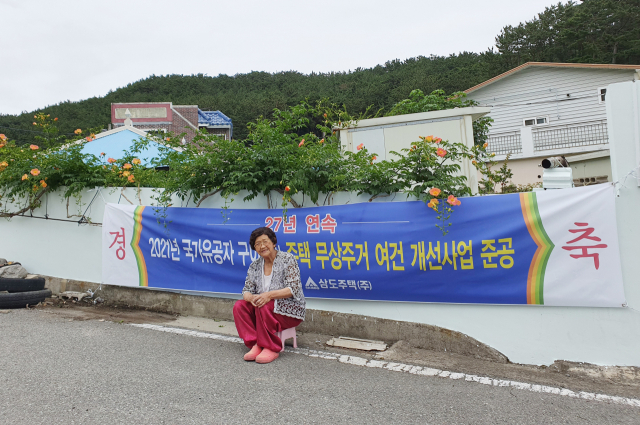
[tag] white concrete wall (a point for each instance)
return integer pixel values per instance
(590, 168)
(526, 334)
(623, 114)
(392, 134)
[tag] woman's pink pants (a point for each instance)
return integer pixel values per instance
(259, 325)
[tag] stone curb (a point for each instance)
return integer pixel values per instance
(324, 322)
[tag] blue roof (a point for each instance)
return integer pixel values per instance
(214, 118)
(115, 145)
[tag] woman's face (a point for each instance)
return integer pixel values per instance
(264, 246)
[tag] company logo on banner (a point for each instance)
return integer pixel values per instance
(555, 247)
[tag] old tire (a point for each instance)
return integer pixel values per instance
(21, 285)
(22, 299)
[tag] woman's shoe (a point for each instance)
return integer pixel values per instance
(253, 353)
(267, 356)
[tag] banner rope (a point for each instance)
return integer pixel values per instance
(100, 192)
(99, 189)
(631, 308)
(83, 220)
(631, 173)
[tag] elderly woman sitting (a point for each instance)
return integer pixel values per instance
(272, 298)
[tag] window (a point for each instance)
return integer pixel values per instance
(528, 122)
(602, 93)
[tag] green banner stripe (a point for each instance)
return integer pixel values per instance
(137, 230)
(546, 253)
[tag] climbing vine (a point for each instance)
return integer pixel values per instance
(297, 152)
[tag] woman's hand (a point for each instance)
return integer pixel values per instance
(249, 297)
(261, 299)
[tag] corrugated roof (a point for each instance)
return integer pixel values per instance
(551, 65)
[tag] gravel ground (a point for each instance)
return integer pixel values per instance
(63, 371)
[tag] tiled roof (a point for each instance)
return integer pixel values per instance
(213, 118)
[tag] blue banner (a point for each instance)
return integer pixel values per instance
(373, 251)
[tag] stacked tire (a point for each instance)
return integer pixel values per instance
(20, 293)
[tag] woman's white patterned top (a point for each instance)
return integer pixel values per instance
(285, 274)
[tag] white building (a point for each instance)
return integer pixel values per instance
(386, 134)
(543, 109)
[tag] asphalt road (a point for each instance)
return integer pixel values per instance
(57, 371)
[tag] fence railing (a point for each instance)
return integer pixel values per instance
(570, 135)
(505, 143)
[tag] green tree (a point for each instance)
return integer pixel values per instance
(542, 39)
(439, 100)
(594, 31)
(605, 31)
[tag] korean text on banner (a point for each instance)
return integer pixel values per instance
(555, 247)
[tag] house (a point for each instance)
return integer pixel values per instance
(543, 109)
(385, 134)
(176, 119)
(215, 122)
(115, 142)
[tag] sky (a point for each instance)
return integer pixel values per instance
(54, 51)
